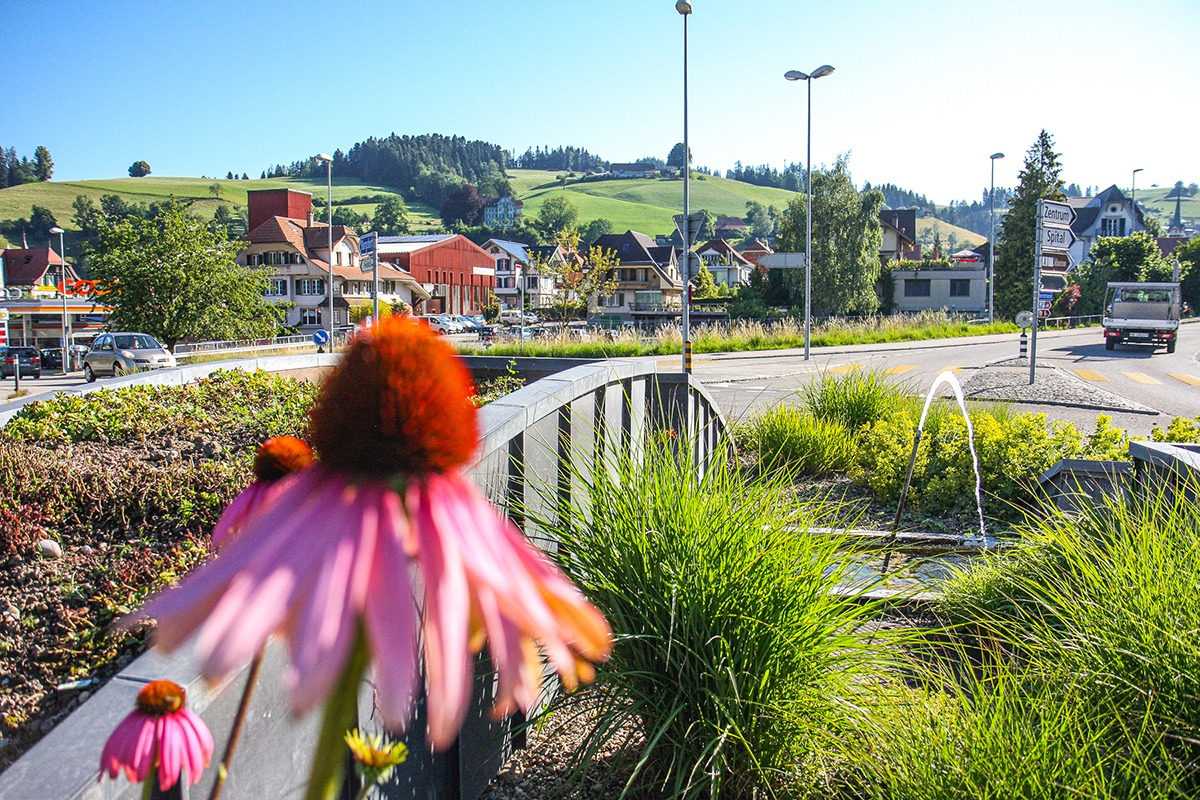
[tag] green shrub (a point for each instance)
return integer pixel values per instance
(787, 436)
(733, 655)
(1013, 452)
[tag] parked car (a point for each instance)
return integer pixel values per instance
(26, 359)
(52, 358)
(511, 316)
(437, 323)
(123, 353)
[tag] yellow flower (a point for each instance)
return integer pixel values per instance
(374, 759)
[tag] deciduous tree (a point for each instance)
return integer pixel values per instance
(1118, 258)
(1015, 246)
(391, 217)
(557, 214)
(464, 206)
(845, 244)
(173, 276)
(581, 278)
(139, 169)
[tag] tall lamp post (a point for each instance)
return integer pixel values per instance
(685, 9)
(1134, 192)
(797, 75)
(992, 243)
(66, 335)
(328, 159)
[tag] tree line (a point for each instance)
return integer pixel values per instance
(562, 159)
(17, 169)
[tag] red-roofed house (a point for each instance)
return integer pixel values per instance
(459, 275)
(32, 275)
(286, 240)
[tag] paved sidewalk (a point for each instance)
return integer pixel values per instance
(1009, 380)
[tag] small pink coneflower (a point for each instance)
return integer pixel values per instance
(161, 732)
(329, 563)
(276, 458)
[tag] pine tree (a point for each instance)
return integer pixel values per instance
(1016, 245)
(43, 164)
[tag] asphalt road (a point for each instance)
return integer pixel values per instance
(743, 384)
(1164, 385)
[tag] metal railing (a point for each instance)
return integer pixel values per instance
(242, 345)
(535, 446)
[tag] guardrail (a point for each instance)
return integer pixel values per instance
(276, 343)
(535, 445)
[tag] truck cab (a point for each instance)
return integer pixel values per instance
(1141, 313)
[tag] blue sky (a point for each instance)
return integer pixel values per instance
(923, 91)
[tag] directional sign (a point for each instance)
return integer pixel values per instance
(1054, 213)
(783, 261)
(1043, 313)
(320, 336)
(1043, 305)
(1045, 296)
(1057, 261)
(695, 220)
(1053, 281)
(1056, 238)
(366, 245)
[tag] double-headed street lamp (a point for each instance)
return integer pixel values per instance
(62, 254)
(992, 243)
(685, 9)
(328, 159)
(797, 75)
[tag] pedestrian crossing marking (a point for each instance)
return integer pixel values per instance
(1190, 380)
(899, 370)
(1140, 377)
(1090, 375)
(845, 368)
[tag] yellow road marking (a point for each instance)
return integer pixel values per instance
(1140, 377)
(845, 368)
(1090, 375)
(1190, 380)
(899, 370)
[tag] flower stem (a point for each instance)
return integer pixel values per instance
(341, 714)
(238, 723)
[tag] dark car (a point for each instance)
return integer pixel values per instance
(26, 359)
(52, 358)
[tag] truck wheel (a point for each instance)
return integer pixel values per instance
(1110, 344)
(1171, 346)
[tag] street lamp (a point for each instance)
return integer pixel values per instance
(1134, 192)
(328, 159)
(797, 75)
(62, 254)
(992, 243)
(685, 10)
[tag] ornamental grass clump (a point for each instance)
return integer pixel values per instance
(855, 399)
(733, 654)
(788, 436)
(1104, 602)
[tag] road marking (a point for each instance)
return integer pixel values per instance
(845, 368)
(1190, 380)
(1140, 377)
(1090, 375)
(899, 370)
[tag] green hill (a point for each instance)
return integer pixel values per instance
(642, 204)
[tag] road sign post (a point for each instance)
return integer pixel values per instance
(1052, 244)
(367, 246)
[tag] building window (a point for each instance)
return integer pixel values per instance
(916, 287)
(310, 316)
(613, 300)
(1112, 226)
(310, 286)
(960, 287)
(277, 288)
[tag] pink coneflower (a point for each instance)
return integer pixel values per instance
(328, 564)
(160, 731)
(276, 458)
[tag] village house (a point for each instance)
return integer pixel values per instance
(293, 247)
(727, 265)
(649, 288)
(502, 212)
(1109, 213)
(458, 275)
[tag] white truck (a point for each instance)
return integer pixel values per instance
(1141, 313)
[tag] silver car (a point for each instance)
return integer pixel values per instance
(123, 353)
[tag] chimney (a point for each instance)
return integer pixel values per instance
(309, 219)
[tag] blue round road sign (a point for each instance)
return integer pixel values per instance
(321, 336)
